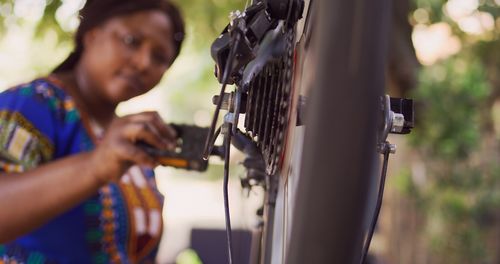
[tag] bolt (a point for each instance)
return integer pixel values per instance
(226, 100)
(392, 148)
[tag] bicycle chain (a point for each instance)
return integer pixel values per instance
(268, 106)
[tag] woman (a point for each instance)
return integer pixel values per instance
(74, 186)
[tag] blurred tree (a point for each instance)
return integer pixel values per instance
(36, 35)
(208, 17)
(402, 64)
(456, 196)
(204, 21)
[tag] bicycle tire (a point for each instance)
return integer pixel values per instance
(339, 171)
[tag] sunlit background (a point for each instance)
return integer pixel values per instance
(443, 197)
(31, 45)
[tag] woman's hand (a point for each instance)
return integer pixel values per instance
(118, 150)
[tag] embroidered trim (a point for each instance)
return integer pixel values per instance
(20, 139)
(142, 207)
(9, 167)
(108, 226)
(17, 255)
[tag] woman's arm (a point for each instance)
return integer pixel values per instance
(30, 199)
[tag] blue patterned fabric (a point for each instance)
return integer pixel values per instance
(39, 123)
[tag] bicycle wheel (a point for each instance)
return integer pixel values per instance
(319, 177)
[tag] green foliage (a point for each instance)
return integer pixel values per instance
(452, 95)
(204, 18)
(433, 8)
(207, 18)
(460, 199)
(403, 182)
(49, 21)
(460, 238)
(6, 7)
(188, 256)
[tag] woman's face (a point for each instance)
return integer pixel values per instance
(127, 55)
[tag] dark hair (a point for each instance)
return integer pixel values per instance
(96, 12)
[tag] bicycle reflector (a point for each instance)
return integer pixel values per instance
(403, 107)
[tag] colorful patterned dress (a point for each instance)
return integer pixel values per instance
(121, 224)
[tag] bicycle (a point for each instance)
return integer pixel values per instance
(307, 170)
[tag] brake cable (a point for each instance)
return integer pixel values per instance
(387, 149)
(226, 130)
(393, 122)
(225, 77)
(227, 147)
